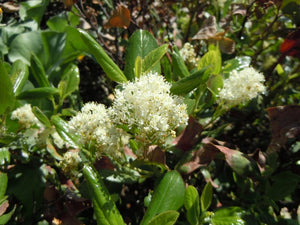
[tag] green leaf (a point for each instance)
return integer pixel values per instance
(206, 197)
(212, 60)
(179, 67)
(138, 66)
(27, 184)
(6, 90)
(108, 66)
(141, 43)
(192, 205)
(33, 9)
(19, 76)
(63, 130)
(187, 84)
(69, 81)
(169, 195)
(283, 184)
(37, 93)
(41, 116)
(3, 182)
(4, 155)
(58, 22)
(6, 217)
(227, 216)
(166, 218)
(153, 57)
(23, 45)
(107, 212)
(38, 72)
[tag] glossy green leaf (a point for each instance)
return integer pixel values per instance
(41, 116)
(141, 43)
(107, 210)
(211, 60)
(63, 130)
(187, 84)
(38, 72)
(138, 66)
(19, 76)
(37, 93)
(206, 197)
(109, 67)
(169, 195)
(58, 22)
(24, 44)
(167, 68)
(179, 67)
(153, 58)
(192, 205)
(6, 90)
(52, 150)
(6, 217)
(4, 155)
(3, 182)
(228, 216)
(33, 9)
(69, 81)
(166, 218)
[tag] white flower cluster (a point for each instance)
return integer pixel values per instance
(70, 162)
(242, 86)
(147, 105)
(93, 124)
(25, 116)
(34, 127)
(188, 55)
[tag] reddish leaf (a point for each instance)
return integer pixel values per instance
(104, 163)
(3, 207)
(120, 17)
(285, 124)
(291, 44)
(156, 154)
(190, 136)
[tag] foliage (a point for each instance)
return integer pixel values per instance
(203, 158)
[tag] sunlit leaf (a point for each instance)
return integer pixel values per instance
(169, 195)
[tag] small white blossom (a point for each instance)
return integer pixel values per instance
(188, 55)
(242, 86)
(58, 141)
(70, 162)
(147, 105)
(93, 124)
(25, 116)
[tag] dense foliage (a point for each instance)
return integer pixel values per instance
(150, 112)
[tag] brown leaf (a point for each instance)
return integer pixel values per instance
(190, 136)
(3, 207)
(208, 29)
(104, 163)
(260, 158)
(120, 17)
(209, 33)
(285, 124)
(156, 154)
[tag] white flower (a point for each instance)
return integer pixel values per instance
(242, 86)
(188, 55)
(146, 105)
(25, 116)
(93, 124)
(70, 162)
(58, 141)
